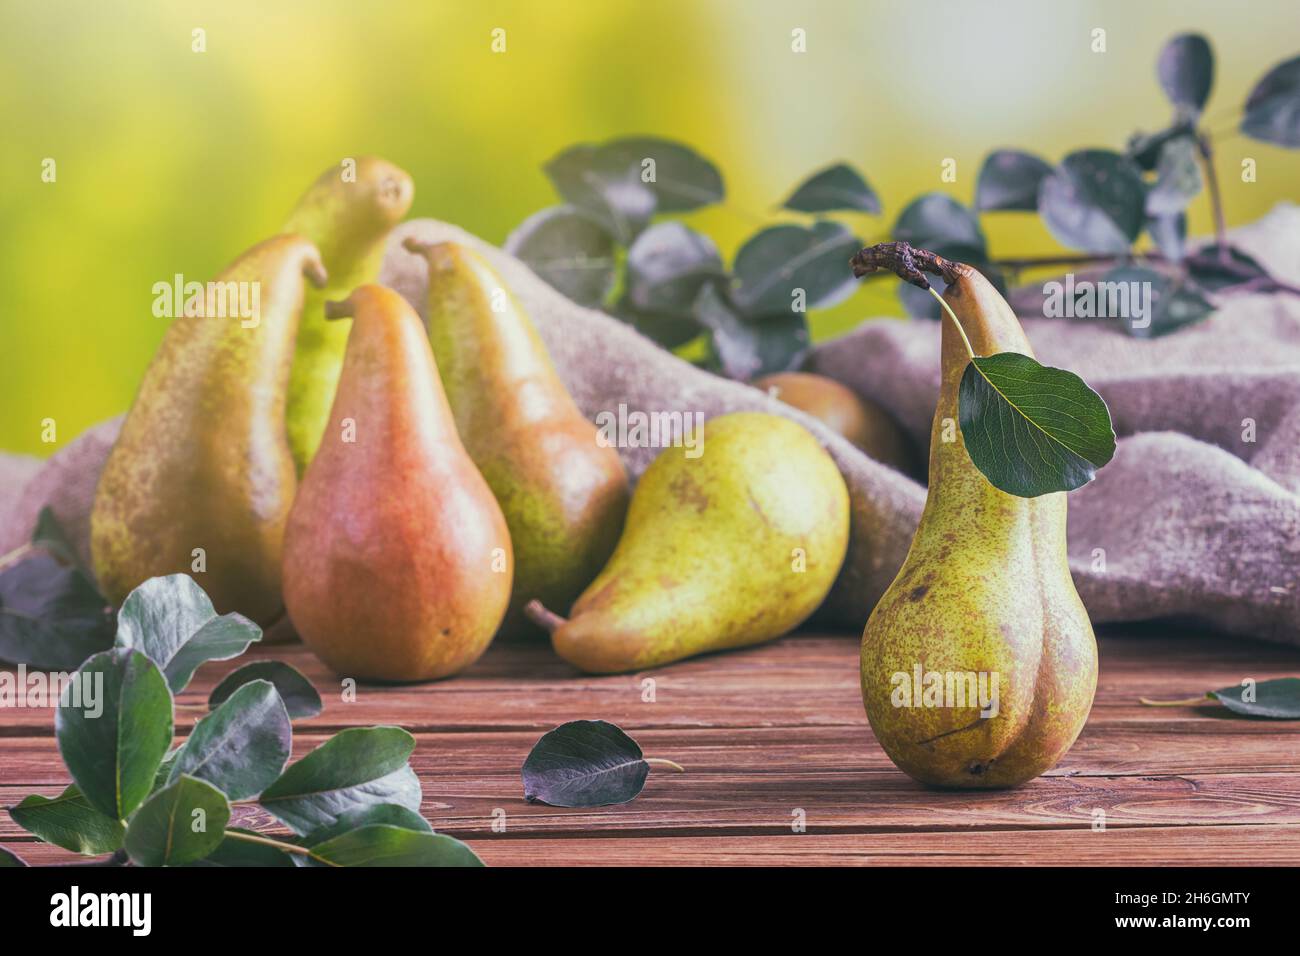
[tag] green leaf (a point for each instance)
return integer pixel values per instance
(683, 179)
(1186, 72)
(49, 536)
(745, 349)
(356, 768)
(300, 698)
(1273, 107)
(234, 852)
(114, 724)
(51, 616)
(179, 824)
(1094, 201)
(382, 845)
(172, 620)
(669, 331)
(934, 220)
(1178, 179)
(8, 858)
(1170, 304)
(667, 265)
(70, 822)
(606, 186)
(584, 763)
(779, 261)
(571, 250)
(1278, 699)
(834, 188)
(1211, 272)
(389, 814)
(1009, 180)
(240, 747)
(1032, 429)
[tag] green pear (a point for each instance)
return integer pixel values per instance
(347, 213)
(201, 480)
(979, 662)
(397, 559)
(728, 547)
(564, 494)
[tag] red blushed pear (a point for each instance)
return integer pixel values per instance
(397, 564)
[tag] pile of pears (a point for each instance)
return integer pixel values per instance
(400, 493)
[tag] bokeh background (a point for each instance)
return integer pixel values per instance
(173, 161)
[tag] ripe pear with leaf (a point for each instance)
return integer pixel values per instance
(732, 546)
(564, 494)
(397, 559)
(201, 479)
(984, 593)
(347, 213)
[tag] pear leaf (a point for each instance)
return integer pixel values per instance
(667, 265)
(1032, 429)
(1170, 304)
(49, 536)
(241, 746)
(584, 763)
(668, 330)
(51, 615)
(8, 858)
(680, 178)
(783, 270)
(114, 724)
(1186, 72)
(356, 768)
(172, 620)
(235, 852)
(1094, 201)
(69, 821)
(1278, 699)
(605, 186)
(385, 845)
(1009, 180)
(1213, 273)
(388, 814)
(182, 823)
(570, 249)
(834, 188)
(1272, 112)
(300, 698)
(746, 349)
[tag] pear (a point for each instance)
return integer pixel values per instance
(347, 213)
(200, 479)
(728, 547)
(843, 411)
(397, 559)
(984, 603)
(564, 494)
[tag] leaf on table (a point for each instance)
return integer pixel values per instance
(182, 823)
(172, 620)
(584, 763)
(242, 746)
(300, 698)
(1278, 699)
(8, 858)
(1032, 429)
(70, 822)
(384, 845)
(232, 851)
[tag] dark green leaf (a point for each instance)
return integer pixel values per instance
(8, 858)
(1178, 179)
(389, 814)
(1273, 108)
(382, 845)
(744, 349)
(604, 185)
(1032, 429)
(49, 536)
(234, 852)
(779, 261)
(300, 698)
(1186, 72)
(356, 768)
(584, 763)
(1211, 272)
(1009, 180)
(51, 616)
(682, 178)
(1169, 304)
(1094, 201)
(240, 747)
(114, 724)
(834, 188)
(935, 219)
(69, 821)
(666, 266)
(669, 331)
(1278, 699)
(570, 249)
(172, 620)
(1169, 233)
(182, 823)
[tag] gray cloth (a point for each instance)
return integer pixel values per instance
(1189, 521)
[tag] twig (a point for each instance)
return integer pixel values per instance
(1206, 150)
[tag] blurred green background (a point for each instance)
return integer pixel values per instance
(173, 161)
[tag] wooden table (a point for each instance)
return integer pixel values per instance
(777, 733)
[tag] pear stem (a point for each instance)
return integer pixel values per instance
(953, 315)
(1186, 702)
(547, 620)
(662, 762)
